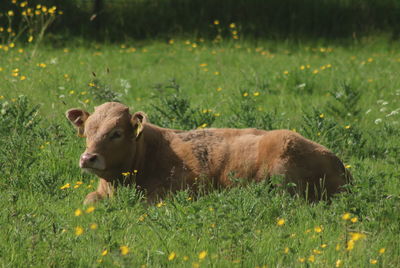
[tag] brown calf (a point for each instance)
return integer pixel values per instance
(169, 160)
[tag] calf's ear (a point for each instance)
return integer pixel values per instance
(137, 120)
(77, 117)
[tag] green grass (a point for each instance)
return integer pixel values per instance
(347, 99)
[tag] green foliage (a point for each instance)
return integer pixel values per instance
(18, 120)
(345, 104)
(247, 114)
(18, 116)
(302, 82)
(102, 92)
(174, 109)
(345, 140)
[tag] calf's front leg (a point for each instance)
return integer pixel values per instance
(105, 189)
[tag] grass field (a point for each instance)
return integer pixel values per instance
(346, 98)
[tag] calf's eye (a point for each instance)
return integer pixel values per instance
(115, 135)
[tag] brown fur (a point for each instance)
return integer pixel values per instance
(170, 160)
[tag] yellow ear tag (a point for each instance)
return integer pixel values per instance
(80, 134)
(139, 129)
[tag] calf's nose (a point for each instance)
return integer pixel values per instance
(87, 160)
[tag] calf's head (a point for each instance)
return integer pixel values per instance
(112, 134)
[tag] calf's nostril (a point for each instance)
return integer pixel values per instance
(92, 158)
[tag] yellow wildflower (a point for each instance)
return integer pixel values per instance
(78, 212)
(301, 260)
(350, 245)
(315, 71)
(10, 13)
(256, 94)
(142, 217)
(203, 64)
(318, 229)
(373, 261)
(216, 22)
(346, 166)
(346, 216)
(160, 204)
(316, 251)
(357, 236)
(219, 89)
(347, 127)
(232, 25)
(321, 116)
(311, 258)
(90, 209)
(202, 255)
(66, 186)
(185, 258)
(280, 222)
(245, 94)
(338, 263)
(354, 220)
(104, 252)
(286, 72)
(93, 226)
(79, 231)
(172, 256)
(382, 250)
(286, 250)
(124, 250)
(302, 67)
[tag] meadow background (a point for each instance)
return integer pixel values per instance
(326, 69)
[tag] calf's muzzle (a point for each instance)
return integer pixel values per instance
(89, 160)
